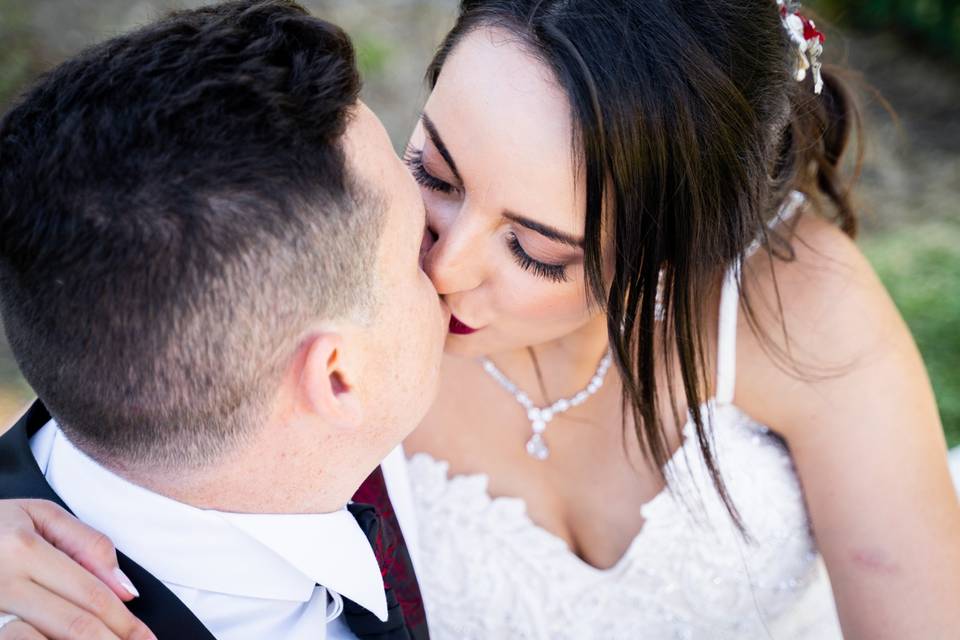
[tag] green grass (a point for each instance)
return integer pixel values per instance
(920, 265)
(18, 61)
(934, 23)
(372, 54)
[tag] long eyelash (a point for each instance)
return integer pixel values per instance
(552, 272)
(413, 158)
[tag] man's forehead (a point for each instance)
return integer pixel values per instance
(367, 144)
(365, 126)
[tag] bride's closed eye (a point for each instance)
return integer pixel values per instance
(413, 158)
(552, 272)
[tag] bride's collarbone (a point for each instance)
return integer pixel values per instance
(588, 493)
(476, 427)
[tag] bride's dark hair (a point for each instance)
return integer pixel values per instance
(692, 129)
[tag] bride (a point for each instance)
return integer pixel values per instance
(676, 402)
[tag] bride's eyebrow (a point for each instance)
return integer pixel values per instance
(544, 230)
(438, 143)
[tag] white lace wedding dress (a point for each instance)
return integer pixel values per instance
(488, 572)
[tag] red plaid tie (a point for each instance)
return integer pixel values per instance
(374, 512)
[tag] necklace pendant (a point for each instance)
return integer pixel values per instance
(539, 417)
(537, 448)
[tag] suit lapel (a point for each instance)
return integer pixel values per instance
(20, 477)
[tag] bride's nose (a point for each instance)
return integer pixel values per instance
(453, 257)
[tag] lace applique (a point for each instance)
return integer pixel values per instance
(488, 571)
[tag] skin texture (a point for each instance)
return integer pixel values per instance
(866, 439)
(887, 529)
(867, 443)
(526, 170)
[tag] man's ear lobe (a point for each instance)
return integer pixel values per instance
(326, 387)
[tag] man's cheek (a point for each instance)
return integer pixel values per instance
(426, 243)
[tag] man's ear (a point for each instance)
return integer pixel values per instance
(326, 388)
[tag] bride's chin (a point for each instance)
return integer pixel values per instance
(461, 347)
(472, 346)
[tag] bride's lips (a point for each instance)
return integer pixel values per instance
(459, 328)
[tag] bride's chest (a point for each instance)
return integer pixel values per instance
(688, 561)
(585, 494)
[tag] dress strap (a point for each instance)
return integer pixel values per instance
(727, 336)
(730, 307)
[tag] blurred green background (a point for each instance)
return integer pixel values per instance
(906, 54)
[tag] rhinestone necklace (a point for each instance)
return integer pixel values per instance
(540, 417)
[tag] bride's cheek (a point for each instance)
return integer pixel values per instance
(544, 302)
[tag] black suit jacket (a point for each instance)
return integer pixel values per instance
(20, 477)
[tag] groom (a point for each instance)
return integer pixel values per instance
(209, 273)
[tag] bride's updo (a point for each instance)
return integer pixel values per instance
(691, 126)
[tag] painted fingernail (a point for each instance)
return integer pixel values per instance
(125, 582)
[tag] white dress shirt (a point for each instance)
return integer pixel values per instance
(245, 576)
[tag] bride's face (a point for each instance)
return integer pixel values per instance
(505, 200)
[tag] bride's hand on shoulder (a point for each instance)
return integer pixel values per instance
(60, 578)
(861, 421)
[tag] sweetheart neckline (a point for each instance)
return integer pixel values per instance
(648, 509)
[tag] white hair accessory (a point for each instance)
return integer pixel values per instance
(807, 39)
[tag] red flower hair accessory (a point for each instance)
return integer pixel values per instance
(807, 39)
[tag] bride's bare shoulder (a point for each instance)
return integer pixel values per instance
(821, 320)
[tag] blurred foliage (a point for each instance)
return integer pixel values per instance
(934, 22)
(20, 56)
(920, 265)
(373, 54)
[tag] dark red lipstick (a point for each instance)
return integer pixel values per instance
(459, 328)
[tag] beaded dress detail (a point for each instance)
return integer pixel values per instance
(487, 571)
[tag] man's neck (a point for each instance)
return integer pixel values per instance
(261, 478)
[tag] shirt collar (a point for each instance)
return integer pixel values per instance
(270, 556)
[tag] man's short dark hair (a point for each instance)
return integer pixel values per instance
(175, 209)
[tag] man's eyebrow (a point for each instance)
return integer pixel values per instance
(544, 230)
(438, 143)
